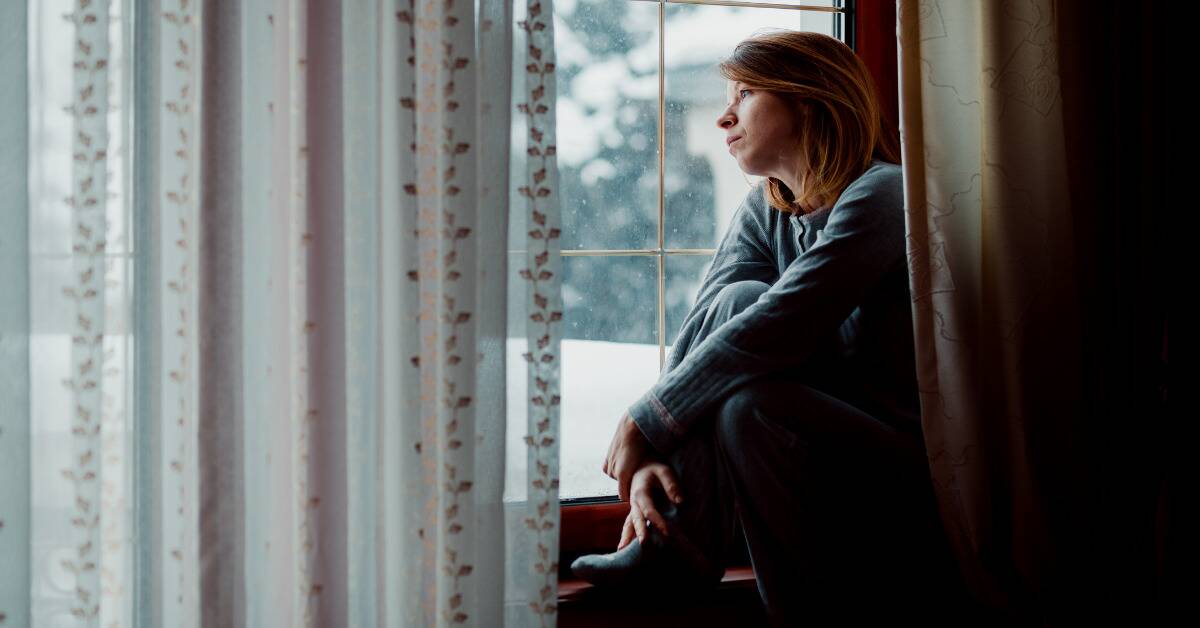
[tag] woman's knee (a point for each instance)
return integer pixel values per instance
(742, 425)
(729, 425)
(739, 295)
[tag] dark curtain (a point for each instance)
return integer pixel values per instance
(1121, 486)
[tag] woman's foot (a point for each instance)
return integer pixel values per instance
(660, 561)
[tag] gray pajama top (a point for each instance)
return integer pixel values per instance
(839, 300)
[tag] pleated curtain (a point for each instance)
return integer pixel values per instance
(1047, 478)
(984, 176)
(271, 268)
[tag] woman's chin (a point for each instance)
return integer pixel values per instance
(750, 170)
(749, 166)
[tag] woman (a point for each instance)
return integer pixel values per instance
(789, 404)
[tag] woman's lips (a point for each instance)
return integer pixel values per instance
(732, 143)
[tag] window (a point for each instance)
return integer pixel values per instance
(647, 188)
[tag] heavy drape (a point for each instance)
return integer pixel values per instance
(1030, 137)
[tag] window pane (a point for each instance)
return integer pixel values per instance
(610, 357)
(703, 182)
(607, 123)
(610, 298)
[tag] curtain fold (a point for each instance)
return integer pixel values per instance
(1003, 271)
(72, 419)
(984, 167)
(177, 383)
(18, 53)
(264, 377)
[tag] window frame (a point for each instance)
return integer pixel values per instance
(591, 524)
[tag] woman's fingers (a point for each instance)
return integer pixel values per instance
(643, 495)
(658, 522)
(639, 521)
(651, 513)
(626, 531)
(670, 485)
(607, 459)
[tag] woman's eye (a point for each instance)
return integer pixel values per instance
(743, 92)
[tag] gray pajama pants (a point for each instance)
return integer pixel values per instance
(837, 507)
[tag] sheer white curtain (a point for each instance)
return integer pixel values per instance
(255, 345)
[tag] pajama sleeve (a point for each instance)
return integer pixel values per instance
(864, 236)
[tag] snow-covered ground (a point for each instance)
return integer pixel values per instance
(600, 380)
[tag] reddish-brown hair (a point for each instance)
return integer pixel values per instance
(842, 126)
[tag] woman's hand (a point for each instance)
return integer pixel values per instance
(641, 500)
(626, 452)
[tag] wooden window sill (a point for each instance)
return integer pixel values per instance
(735, 602)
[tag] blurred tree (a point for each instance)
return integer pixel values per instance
(614, 298)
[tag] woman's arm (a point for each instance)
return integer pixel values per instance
(864, 236)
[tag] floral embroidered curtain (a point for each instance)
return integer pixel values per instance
(259, 335)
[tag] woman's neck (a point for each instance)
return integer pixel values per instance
(819, 204)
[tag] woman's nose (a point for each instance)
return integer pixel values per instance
(725, 120)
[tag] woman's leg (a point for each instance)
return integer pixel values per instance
(704, 527)
(836, 505)
(707, 517)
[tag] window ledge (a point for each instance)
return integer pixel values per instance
(734, 602)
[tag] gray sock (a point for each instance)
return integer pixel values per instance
(661, 560)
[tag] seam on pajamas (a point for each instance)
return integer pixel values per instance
(673, 425)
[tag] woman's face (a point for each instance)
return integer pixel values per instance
(763, 127)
